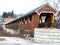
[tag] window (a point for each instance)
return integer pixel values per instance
(21, 21)
(28, 20)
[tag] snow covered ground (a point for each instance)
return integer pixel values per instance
(20, 41)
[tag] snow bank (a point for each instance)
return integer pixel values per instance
(20, 41)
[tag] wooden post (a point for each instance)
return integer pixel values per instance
(38, 21)
(52, 20)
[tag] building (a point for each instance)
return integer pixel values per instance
(8, 19)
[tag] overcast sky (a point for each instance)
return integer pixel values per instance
(21, 6)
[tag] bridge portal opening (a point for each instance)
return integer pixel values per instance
(46, 20)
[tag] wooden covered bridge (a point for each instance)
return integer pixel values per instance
(41, 17)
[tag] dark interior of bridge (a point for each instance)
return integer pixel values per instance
(47, 20)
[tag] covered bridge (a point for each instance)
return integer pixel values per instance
(40, 17)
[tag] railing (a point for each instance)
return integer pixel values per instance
(4, 33)
(49, 35)
(57, 24)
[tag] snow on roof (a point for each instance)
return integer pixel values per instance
(2, 22)
(30, 12)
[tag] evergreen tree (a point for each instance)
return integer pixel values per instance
(9, 14)
(4, 15)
